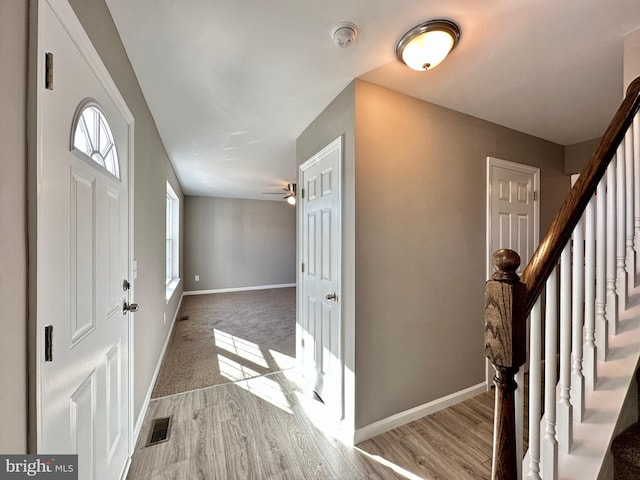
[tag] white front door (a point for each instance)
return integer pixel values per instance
(320, 323)
(512, 217)
(82, 252)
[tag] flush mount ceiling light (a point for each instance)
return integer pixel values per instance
(426, 45)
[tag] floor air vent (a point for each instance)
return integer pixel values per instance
(160, 431)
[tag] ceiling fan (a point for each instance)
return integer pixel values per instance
(289, 196)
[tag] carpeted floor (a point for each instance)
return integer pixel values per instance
(626, 448)
(228, 337)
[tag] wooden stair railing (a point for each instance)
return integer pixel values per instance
(548, 252)
(509, 300)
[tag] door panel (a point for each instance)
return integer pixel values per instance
(524, 237)
(320, 317)
(326, 238)
(83, 406)
(82, 258)
(512, 211)
(113, 395)
(114, 223)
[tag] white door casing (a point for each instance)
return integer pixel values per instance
(320, 320)
(83, 230)
(512, 209)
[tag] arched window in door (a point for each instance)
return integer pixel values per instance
(92, 137)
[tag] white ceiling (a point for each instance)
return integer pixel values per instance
(232, 83)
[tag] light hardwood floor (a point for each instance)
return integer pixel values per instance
(257, 429)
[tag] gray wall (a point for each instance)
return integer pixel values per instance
(414, 217)
(233, 243)
(631, 67)
(152, 171)
(13, 251)
(420, 244)
(577, 155)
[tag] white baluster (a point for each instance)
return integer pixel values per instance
(577, 316)
(602, 323)
(590, 350)
(535, 387)
(549, 441)
(630, 260)
(565, 412)
(621, 236)
(612, 296)
(636, 176)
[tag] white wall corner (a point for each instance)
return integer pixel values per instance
(402, 418)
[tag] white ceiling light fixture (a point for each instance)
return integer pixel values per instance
(291, 196)
(344, 34)
(426, 45)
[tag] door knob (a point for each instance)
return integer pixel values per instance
(129, 307)
(332, 296)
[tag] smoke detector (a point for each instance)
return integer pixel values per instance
(344, 34)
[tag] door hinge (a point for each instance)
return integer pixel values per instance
(535, 196)
(48, 71)
(48, 343)
(303, 268)
(302, 193)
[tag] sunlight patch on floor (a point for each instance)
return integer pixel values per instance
(233, 370)
(318, 413)
(240, 347)
(383, 461)
(283, 361)
(269, 390)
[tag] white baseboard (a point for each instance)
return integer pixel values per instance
(147, 399)
(394, 421)
(239, 289)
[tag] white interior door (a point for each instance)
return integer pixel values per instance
(320, 320)
(82, 253)
(513, 216)
(513, 211)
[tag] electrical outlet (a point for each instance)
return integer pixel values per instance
(197, 278)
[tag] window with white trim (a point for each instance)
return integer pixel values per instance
(172, 264)
(93, 139)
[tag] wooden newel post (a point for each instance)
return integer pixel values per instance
(505, 347)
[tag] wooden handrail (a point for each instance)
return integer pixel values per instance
(548, 252)
(508, 299)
